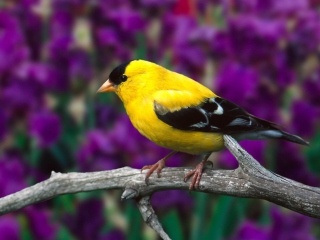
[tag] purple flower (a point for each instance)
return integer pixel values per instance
(227, 160)
(183, 25)
(99, 152)
(280, 72)
(58, 51)
(120, 146)
(105, 6)
(59, 48)
(13, 173)
(82, 224)
(250, 6)
(287, 7)
(40, 223)
(305, 37)
(80, 66)
(38, 73)
(251, 231)
(107, 37)
(285, 226)
(265, 104)
(115, 23)
(20, 96)
(290, 225)
(203, 5)
(192, 49)
(68, 5)
(61, 23)
(114, 235)
(167, 32)
(311, 88)
(244, 77)
(12, 43)
(139, 151)
(45, 77)
(154, 4)
(192, 46)
(45, 127)
(172, 198)
(304, 118)
(292, 164)
(120, 136)
(271, 7)
(127, 21)
(221, 45)
(191, 60)
(105, 115)
(27, 4)
(108, 45)
(203, 35)
(3, 124)
(255, 148)
(73, 64)
(253, 39)
(9, 227)
(31, 25)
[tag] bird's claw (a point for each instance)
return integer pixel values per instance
(157, 166)
(196, 173)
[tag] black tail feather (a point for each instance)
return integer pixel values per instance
(285, 136)
(293, 138)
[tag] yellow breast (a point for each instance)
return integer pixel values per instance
(144, 119)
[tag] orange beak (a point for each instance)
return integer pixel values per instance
(107, 87)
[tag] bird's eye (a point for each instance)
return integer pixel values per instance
(123, 78)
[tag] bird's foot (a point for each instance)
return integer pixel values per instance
(196, 173)
(157, 166)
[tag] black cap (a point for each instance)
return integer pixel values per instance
(117, 75)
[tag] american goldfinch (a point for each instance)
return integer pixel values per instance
(179, 113)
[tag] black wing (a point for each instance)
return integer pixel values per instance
(213, 115)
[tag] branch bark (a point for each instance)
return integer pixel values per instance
(249, 180)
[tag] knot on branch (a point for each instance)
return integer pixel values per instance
(132, 189)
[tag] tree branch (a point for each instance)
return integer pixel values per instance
(150, 217)
(249, 180)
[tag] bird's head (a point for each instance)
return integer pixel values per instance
(131, 77)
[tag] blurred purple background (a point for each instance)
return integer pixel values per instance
(262, 55)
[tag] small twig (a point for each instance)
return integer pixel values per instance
(249, 180)
(150, 217)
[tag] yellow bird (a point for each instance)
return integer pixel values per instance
(179, 113)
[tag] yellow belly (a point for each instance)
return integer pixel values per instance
(192, 142)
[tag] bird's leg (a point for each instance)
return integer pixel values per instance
(197, 173)
(159, 165)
